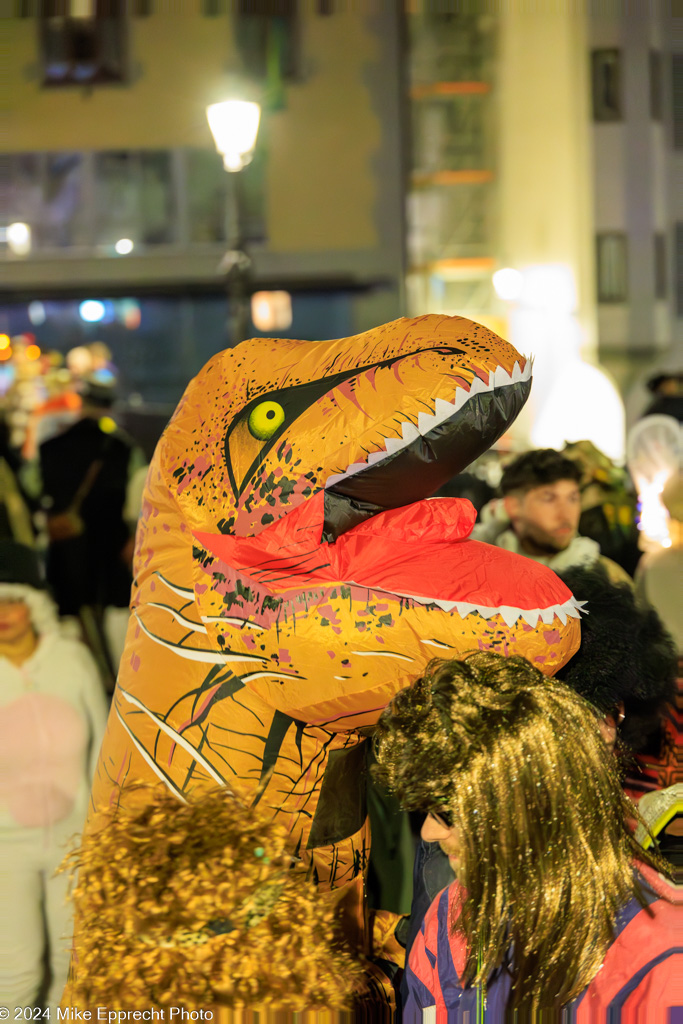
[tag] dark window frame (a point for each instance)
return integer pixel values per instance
(613, 292)
(606, 85)
(656, 76)
(93, 51)
(660, 265)
(677, 100)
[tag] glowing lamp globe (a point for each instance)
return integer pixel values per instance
(234, 125)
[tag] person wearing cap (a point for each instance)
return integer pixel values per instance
(52, 718)
(85, 474)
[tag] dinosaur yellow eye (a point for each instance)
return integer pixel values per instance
(264, 419)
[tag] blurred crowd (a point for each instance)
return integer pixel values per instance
(72, 485)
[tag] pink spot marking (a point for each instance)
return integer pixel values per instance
(540, 658)
(249, 641)
(135, 662)
(381, 607)
(379, 639)
(347, 390)
(284, 655)
(167, 528)
(152, 585)
(526, 627)
(552, 636)
(336, 629)
(201, 588)
(332, 654)
(370, 376)
(361, 627)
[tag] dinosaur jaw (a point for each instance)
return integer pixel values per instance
(429, 452)
(444, 412)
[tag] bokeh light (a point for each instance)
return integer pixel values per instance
(92, 311)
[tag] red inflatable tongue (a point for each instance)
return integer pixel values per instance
(419, 550)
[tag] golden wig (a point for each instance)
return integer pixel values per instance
(545, 853)
(200, 905)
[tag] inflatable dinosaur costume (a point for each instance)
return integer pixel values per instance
(290, 576)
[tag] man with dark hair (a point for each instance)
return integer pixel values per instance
(542, 508)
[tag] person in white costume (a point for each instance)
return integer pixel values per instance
(52, 717)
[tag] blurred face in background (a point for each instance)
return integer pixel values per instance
(545, 518)
(15, 622)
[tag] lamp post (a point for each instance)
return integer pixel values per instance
(234, 125)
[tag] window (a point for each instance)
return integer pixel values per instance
(612, 267)
(45, 191)
(677, 99)
(134, 197)
(150, 197)
(679, 268)
(606, 80)
(267, 37)
(660, 265)
(82, 42)
(655, 85)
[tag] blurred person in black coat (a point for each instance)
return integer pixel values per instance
(85, 473)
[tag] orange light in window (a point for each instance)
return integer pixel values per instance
(32, 352)
(4, 341)
(5, 353)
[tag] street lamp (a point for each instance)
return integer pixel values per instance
(234, 125)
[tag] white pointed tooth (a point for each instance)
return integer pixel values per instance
(547, 616)
(517, 374)
(464, 608)
(394, 444)
(530, 616)
(477, 386)
(561, 614)
(331, 480)
(376, 457)
(461, 397)
(509, 615)
(355, 467)
(501, 377)
(576, 608)
(446, 606)
(410, 432)
(443, 410)
(425, 422)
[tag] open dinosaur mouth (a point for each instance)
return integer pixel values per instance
(443, 412)
(429, 452)
(416, 552)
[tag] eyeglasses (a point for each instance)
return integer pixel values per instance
(443, 816)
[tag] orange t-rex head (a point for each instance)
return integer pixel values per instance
(378, 420)
(298, 472)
